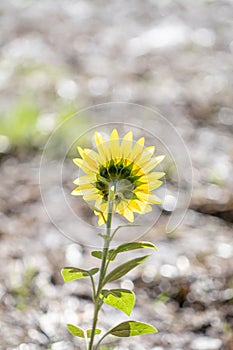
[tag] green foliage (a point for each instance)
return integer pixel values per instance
(19, 123)
(74, 273)
(27, 292)
(97, 331)
(26, 126)
(110, 256)
(123, 269)
(131, 329)
(76, 331)
(112, 253)
(134, 245)
(81, 333)
(122, 299)
(163, 297)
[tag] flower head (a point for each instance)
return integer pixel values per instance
(121, 172)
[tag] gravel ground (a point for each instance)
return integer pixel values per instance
(185, 289)
(175, 56)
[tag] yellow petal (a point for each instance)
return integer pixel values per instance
(78, 162)
(86, 187)
(153, 199)
(134, 206)
(128, 214)
(84, 180)
(153, 163)
(115, 145)
(137, 148)
(155, 175)
(102, 147)
(98, 202)
(94, 155)
(126, 145)
(87, 159)
(99, 139)
(84, 190)
(100, 220)
(114, 135)
(120, 208)
(90, 194)
(145, 156)
(144, 207)
(80, 150)
(77, 192)
(155, 184)
(84, 166)
(147, 209)
(151, 179)
(149, 198)
(142, 188)
(77, 181)
(103, 208)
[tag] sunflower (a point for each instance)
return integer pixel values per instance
(126, 167)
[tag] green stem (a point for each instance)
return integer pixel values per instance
(86, 340)
(97, 299)
(93, 287)
(100, 341)
(112, 236)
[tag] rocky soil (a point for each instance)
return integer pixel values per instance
(175, 56)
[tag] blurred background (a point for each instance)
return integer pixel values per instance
(59, 57)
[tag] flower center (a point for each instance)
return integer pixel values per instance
(121, 176)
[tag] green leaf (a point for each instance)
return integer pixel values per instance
(131, 329)
(121, 299)
(123, 248)
(97, 331)
(123, 269)
(98, 254)
(74, 273)
(134, 245)
(76, 331)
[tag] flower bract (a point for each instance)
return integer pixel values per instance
(122, 167)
